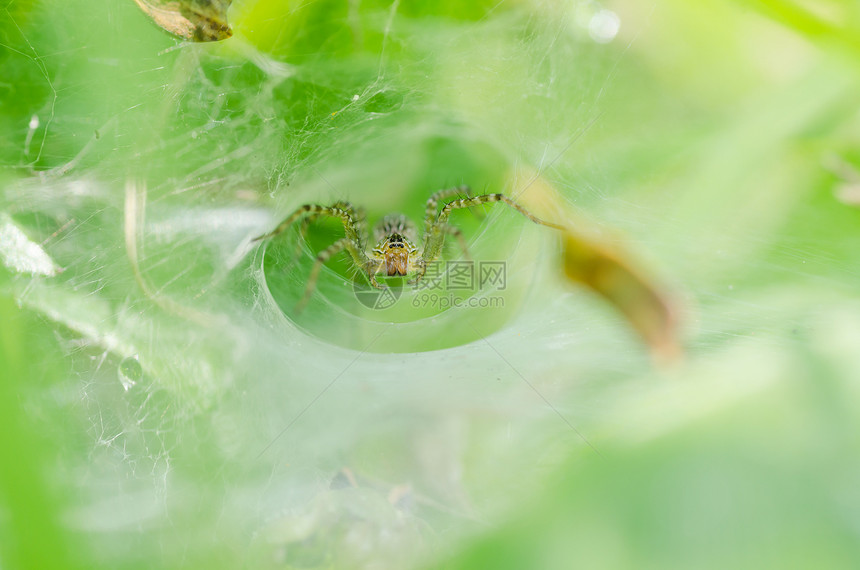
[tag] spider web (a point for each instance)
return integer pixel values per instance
(195, 406)
(143, 170)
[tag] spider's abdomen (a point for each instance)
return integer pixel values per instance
(394, 224)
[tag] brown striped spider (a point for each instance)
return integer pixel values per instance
(395, 252)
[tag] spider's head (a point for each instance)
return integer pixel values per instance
(394, 249)
(395, 253)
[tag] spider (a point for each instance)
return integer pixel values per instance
(395, 252)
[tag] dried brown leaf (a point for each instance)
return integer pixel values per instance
(195, 20)
(605, 268)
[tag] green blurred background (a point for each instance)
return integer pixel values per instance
(162, 407)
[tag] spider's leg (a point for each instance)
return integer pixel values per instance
(354, 240)
(431, 210)
(303, 234)
(352, 220)
(435, 237)
(371, 268)
(458, 234)
(420, 270)
(358, 216)
(321, 258)
(421, 263)
(489, 199)
(290, 220)
(357, 234)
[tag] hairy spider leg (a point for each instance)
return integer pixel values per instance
(303, 234)
(358, 215)
(321, 258)
(435, 239)
(393, 224)
(353, 227)
(458, 235)
(431, 210)
(352, 222)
